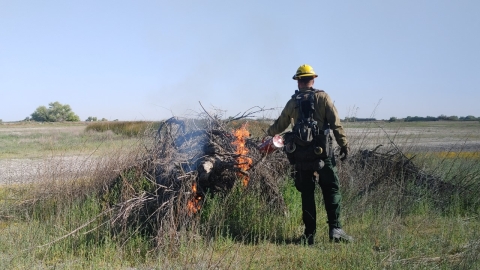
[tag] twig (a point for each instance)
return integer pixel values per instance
(70, 233)
(429, 259)
(248, 113)
(206, 112)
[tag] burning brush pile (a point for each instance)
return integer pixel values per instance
(188, 162)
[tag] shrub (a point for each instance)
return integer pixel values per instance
(256, 128)
(91, 119)
(129, 129)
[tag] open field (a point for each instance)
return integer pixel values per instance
(33, 140)
(30, 150)
(418, 136)
(52, 200)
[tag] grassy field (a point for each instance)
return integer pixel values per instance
(33, 140)
(424, 136)
(57, 219)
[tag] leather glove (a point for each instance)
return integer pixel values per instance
(344, 152)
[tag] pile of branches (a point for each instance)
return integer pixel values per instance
(188, 162)
(388, 168)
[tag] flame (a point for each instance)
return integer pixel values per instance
(193, 205)
(243, 162)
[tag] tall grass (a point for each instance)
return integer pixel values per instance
(397, 225)
(256, 128)
(130, 129)
(34, 140)
(246, 216)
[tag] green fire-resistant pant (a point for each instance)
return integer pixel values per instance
(305, 181)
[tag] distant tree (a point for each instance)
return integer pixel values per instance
(356, 119)
(453, 118)
(428, 118)
(442, 117)
(91, 119)
(104, 119)
(40, 114)
(60, 113)
(1, 121)
(56, 112)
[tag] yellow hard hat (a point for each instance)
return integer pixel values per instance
(304, 71)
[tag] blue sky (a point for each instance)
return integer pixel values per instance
(149, 60)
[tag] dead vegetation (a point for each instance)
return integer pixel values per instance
(387, 174)
(187, 161)
(392, 166)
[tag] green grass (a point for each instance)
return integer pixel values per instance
(130, 129)
(37, 140)
(53, 225)
(247, 236)
(256, 128)
(34, 238)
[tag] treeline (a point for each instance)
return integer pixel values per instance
(438, 118)
(356, 119)
(416, 119)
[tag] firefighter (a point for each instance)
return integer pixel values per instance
(324, 171)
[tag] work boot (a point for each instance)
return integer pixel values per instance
(339, 235)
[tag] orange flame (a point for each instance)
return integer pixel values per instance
(243, 162)
(193, 204)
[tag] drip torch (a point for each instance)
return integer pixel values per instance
(270, 144)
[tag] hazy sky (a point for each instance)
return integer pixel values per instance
(149, 60)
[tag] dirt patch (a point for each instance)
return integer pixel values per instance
(61, 168)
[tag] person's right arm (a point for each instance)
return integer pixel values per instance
(283, 120)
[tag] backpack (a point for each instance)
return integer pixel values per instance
(307, 145)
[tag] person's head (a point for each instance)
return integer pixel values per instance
(306, 82)
(305, 76)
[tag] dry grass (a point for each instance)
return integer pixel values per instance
(71, 220)
(130, 129)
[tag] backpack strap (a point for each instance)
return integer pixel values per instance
(305, 102)
(312, 101)
(305, 133)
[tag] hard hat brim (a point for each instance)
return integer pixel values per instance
(296, 77)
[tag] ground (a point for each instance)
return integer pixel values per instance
(30, 150)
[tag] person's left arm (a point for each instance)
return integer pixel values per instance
(333, 119)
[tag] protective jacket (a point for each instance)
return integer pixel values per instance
(324, 110)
